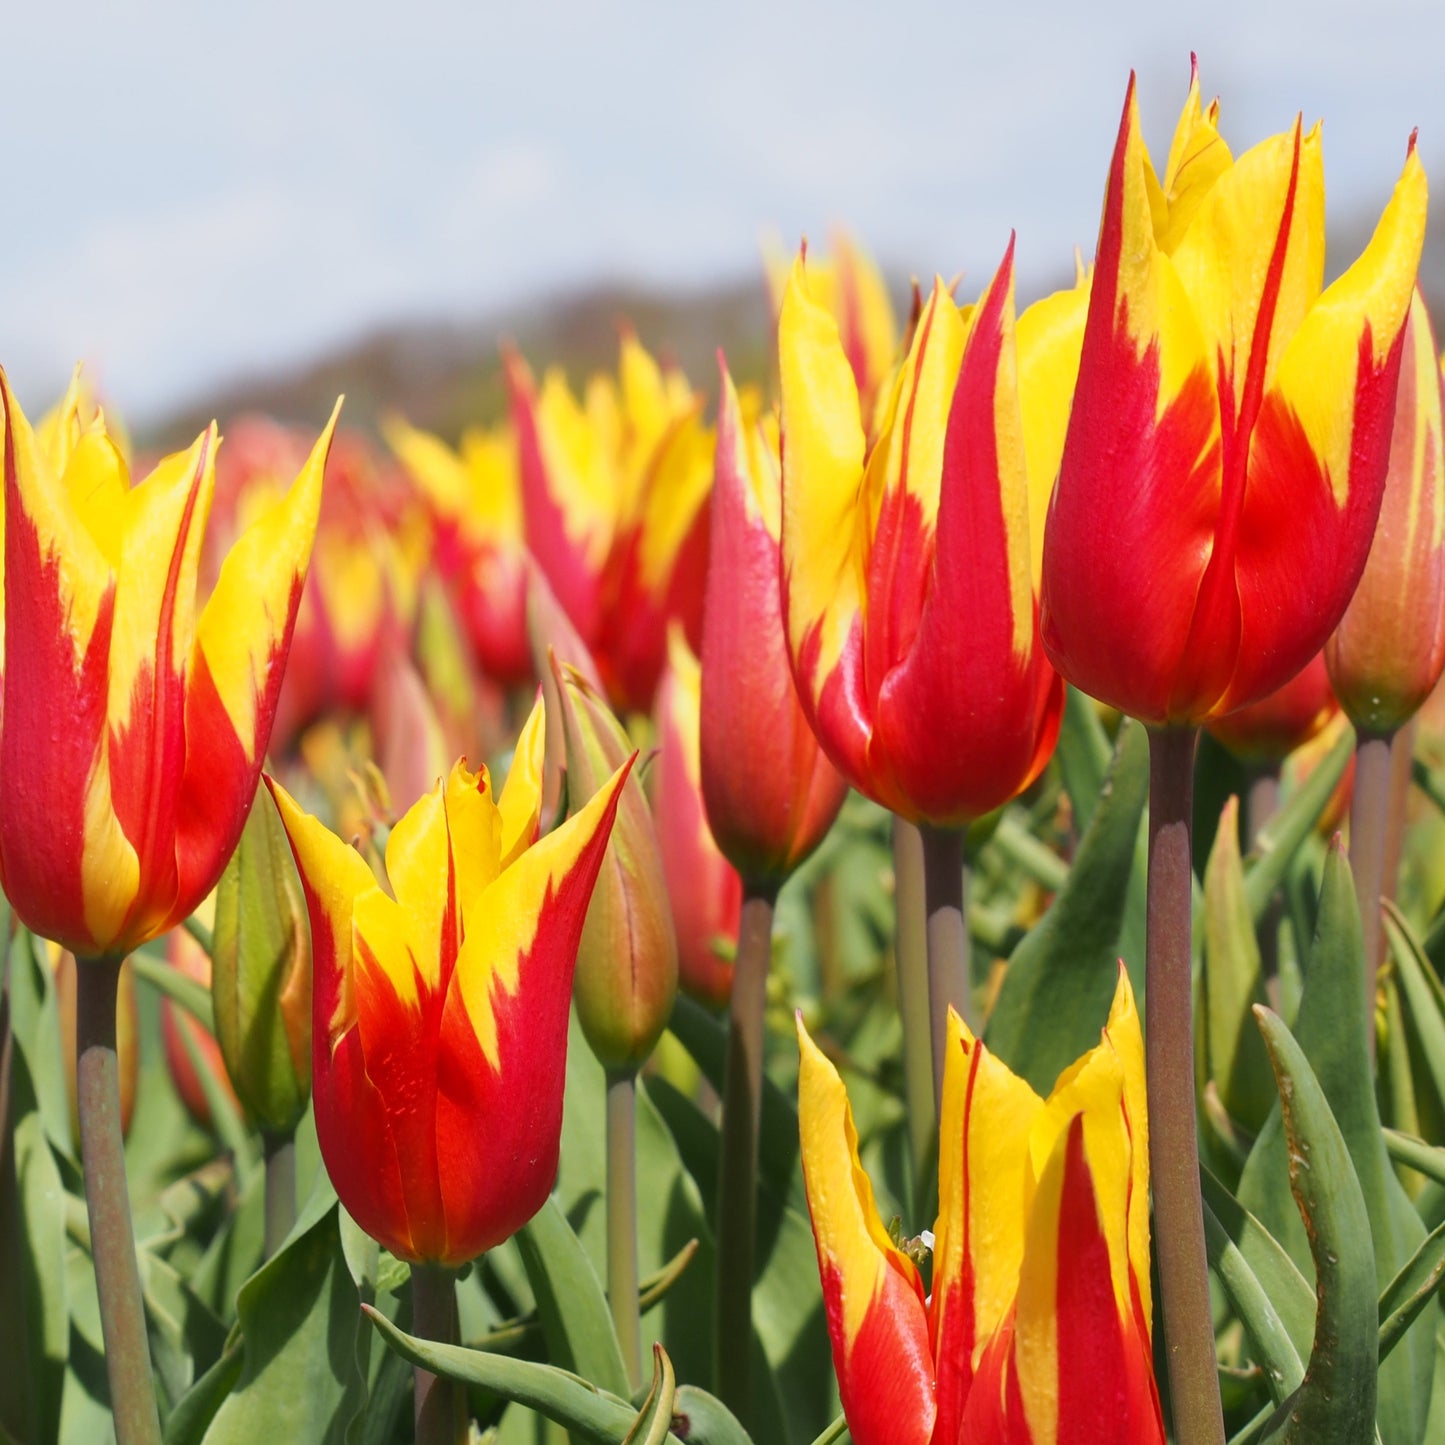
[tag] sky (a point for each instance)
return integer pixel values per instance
(196, 191)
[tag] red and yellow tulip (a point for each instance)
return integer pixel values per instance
(909, 563)
(1388, 652)
(137, 721)
(613, 489)
(1037, 1329)
(770, 791)
(475, 495)
(702, 886)
(1268, 731)
(439, 1008)
(1227, 447)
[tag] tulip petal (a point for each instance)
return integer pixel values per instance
(1198, 157)
(64, 860)
(520, 801)
(1319, 454)
(1132, 521)
(876, 1313)
(979, 1238)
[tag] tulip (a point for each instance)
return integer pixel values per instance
(476, 500)
(851, 286)
(771, 792)
(1038, 1326)
(613, 493)
(1220, 483)
(1227, 448)
(141, 722)
(439, 1008)
(703, 887)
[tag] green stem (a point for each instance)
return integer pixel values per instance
(280, 1155)
(117, 1278)
(17, 1394)
(947, 941)
(439, 1419)
(1173, 1142)
(910, 947)
(738, 1164)
(622, 1218)
(1369, 818)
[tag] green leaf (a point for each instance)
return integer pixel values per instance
(1417, 1284)
(703, 1419)
(1335, 1403)
(1286, 832)
(1233, 981)
(1426, 1159)
(1061, 978)
(299, 1318)
(655, 1418)
(1332, 1031)
(188, 1422)
(560, 1396)
(1418, 986)
(1084, 753)
(185, 992)
(576, 1320)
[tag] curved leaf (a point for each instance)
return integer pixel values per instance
(655, 1418)
(1335, 1403)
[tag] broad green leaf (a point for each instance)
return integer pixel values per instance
(188, 1422)
(1282, 837)
(299, 1318)
(1084, 753)
(654, 1420)
(1335, 1403)
(706, 1420)
(1331, 1030)
(1416, 979)
(573, 1310)
(1233, 982)
(560, 1396)
(1061, 978)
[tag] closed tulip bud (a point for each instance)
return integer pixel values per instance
(908, 565)
(411, 748)
(1227, 446)
(704, 888)
(1389, 650)
(627, 963)
(261, 975)
(185, 1039)
(771, 792)
(439, 1008)
(1268, 731)
(1037, 1328)
(127, 1036)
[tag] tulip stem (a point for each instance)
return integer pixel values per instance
(1173, 1140)
(1369, 825)
(622, 1218)
(280, 1154)
(910, 948)
(17, 1389)
(738, 1164)
(439, 1418)
(112, 1241)
(943, 890)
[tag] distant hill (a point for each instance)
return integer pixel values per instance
(443, 376)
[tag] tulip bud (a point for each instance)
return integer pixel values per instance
(188, 958)
(411, 748)
(626, 976)
(1389, 649)
(771, 792)
(261, 981)
(705, 889)
(127, 1031)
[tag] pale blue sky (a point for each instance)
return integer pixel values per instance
(197, 189)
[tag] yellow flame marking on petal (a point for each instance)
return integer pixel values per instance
(520, 803)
